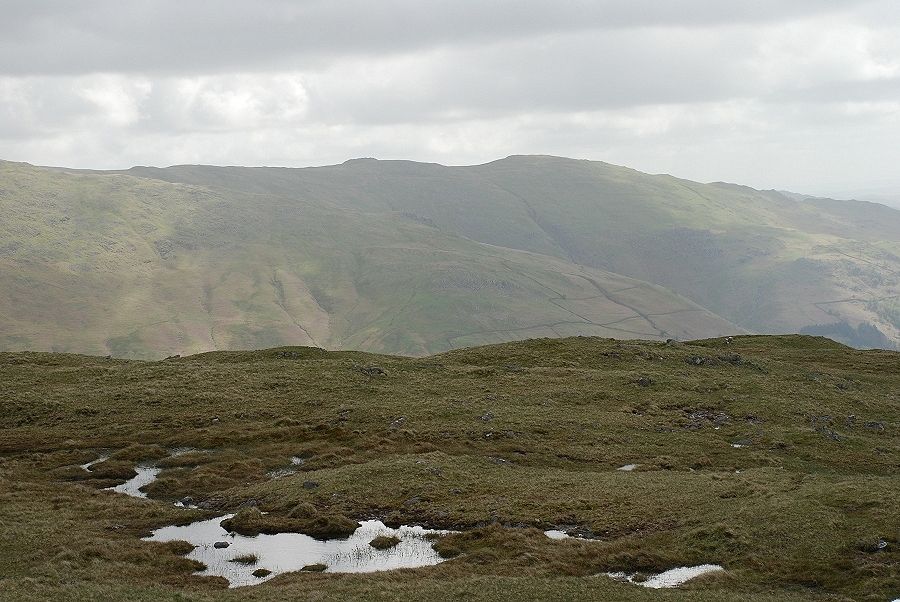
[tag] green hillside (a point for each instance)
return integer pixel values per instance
(774, 456)
(767, 261)
(134, 267)
(412, 258)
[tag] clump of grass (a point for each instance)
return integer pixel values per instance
(314, 568)
(262, 573)
(180, 548)
(250, 521)
(140, 453)
(71, 473)
(447, 548)
(115, 469)
(248, 559)
(384, 542)
(186, 460)
(303, 510)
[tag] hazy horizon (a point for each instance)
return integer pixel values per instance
(885, 195)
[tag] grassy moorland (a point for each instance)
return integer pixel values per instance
(499, 442)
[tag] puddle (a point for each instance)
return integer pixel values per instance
(286, 472)
(145, 476)
(671, 578)
(560, 534)
(280, 473)
(556, 534)
(88, 465)
(285, 552)
(628, 467)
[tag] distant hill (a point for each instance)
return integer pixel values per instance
(414, 258)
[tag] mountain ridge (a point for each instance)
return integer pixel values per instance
(504, 249)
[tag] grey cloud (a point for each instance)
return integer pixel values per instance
(175, 36)
(577, 72)
(878, 90)
(771, 93)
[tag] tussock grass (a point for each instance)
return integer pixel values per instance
(797, 514)
(250, 521)
(384, 542)
(248, 559)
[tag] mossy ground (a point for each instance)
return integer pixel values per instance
(500, 442)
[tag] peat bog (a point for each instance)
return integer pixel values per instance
(500, 443)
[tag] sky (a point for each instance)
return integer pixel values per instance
(800, 95)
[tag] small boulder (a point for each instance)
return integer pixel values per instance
(262, 573)
(219, 545)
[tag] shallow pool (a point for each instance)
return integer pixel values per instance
(285, 552)
(145, 476)
(671, 578)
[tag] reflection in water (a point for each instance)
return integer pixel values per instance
(281, 473)
(284, 552)
(88, 465)
(145, 476)
(672, 577)
(556, 534)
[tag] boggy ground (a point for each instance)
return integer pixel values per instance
(500, 442)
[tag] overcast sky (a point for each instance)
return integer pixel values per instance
(794, 94)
